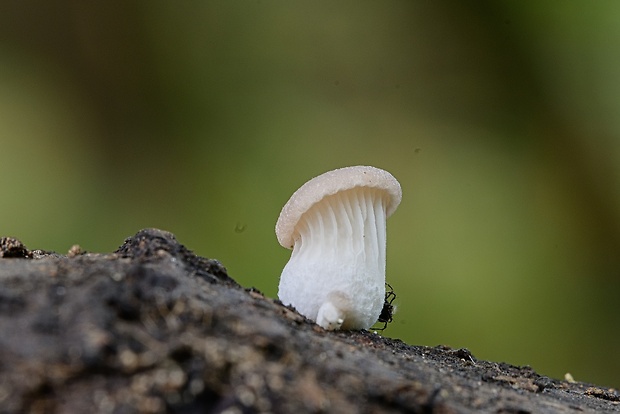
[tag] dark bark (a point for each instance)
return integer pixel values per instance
(154, 328)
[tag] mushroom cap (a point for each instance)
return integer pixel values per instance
(330, 183)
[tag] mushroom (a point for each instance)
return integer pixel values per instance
(336, 226)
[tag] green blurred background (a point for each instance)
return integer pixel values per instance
(499, 118)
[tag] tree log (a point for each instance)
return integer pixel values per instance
(154, 328)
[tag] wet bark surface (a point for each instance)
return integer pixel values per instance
(154, 328)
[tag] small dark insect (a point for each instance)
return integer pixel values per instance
(388, 309)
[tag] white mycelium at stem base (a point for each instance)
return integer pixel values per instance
(336, 273)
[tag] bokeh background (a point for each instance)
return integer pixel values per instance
(499, 118)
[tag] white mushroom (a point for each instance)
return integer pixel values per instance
(336, 226)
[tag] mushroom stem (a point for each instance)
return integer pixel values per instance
(338, 260)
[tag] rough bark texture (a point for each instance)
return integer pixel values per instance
(154, 328)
